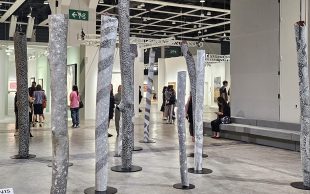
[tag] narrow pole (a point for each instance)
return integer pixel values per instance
(147, 114)
(182, 134)
(58, 65)
(304, 95)
(20, 47)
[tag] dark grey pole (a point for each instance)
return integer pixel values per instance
(127, 89)
(58, 27)
(20, 47)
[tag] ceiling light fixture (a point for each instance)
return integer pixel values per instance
(101, 1)
(29, 15)
(46, 3)
(209, 13)
(202, 1)
(199, 32)
(173, 22)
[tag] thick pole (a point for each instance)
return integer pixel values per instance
(181, 127)
(106, 58)
(191, 68)
(304, 92)
(20, 47)
(200, 77)
(127, 83)
(58, 65)
(149, 96)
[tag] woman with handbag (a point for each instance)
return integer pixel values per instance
(75, 106)
(39, 96)
(223, 117)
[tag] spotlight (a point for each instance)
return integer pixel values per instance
(29, 15)
(195, 26)
(206, 30)
(173, 22)
(209, 13)
(46, 3)
(202, 1)
(199, 32)
(101, 1)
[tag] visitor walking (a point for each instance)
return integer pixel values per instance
(111, 107)
(163, 105)
(140, 97)
(171, 104)
(39, 96)
(117, 101)
(223, 91)
(190, 117)
(75, 107)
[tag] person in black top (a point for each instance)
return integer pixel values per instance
(223, 91)
(190, 116)
(224, 111)
(163, 105)
(111, 107)
(140, 97)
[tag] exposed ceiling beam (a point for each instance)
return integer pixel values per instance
(202, 28)
(12, 9)
(165, 3)
(215, 33)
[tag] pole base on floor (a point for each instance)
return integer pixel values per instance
(203, 171)
(121, 169)
(180, 186)
(91, 190)
(148, 141)
(300, 185)
(192, 155)
(18, 157)
(69, 165)
(137, 148)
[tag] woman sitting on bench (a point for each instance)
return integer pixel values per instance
(223, 117)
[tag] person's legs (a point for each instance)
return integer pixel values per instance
(77, 117)
(215, 124)
(73, 117)
(30, 120)
(16, 124)
(117, 118)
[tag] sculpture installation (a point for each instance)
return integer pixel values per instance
(105, 66)
(182, 134)
(20, 47)
(58, 27)
(127, 90)
(146, 138)
(304, 92)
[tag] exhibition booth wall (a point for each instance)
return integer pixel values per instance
(264, 71)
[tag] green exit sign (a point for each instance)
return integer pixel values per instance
(78, 15)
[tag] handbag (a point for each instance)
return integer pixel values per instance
(44, 103)
(81, 105)
(225, 120)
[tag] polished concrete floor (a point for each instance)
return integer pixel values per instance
(238, 168)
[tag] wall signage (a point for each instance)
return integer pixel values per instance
(7, 191)
(78, 15)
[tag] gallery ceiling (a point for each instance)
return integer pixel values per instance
(182, 19)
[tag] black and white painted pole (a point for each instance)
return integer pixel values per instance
(304, 95)
(58, 30)
(147, 118)
(105, 65)
(20, 47)
(182, 134)
(191, 68)
(127, 90)
(133, 55)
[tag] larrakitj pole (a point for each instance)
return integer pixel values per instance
(58, 27)
(105, 65)
(182, 134)
(304, 95)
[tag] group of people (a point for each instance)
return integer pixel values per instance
(168, 105)
(223, 113)
(36, 104)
